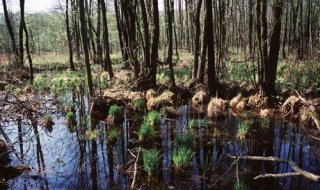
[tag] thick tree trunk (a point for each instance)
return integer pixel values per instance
(271, 66)
(211, 53)
(84, 33)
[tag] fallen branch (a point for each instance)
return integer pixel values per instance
(278, 175)
(295, 168)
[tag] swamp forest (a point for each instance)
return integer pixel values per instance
(160, 94)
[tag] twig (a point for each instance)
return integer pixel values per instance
(295, 168)
(135, 169)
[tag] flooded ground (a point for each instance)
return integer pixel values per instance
(66, 158)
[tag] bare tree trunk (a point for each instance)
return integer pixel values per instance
(10, 30)
(98, 36)
(155, 41)
(259, 36)
(84, 33)
(70, 48)
(107, 59)
(146, 34)
(21, 56)
(197, 40)
(170, 12)
(285, 38)
(119, 28)
(251, 27)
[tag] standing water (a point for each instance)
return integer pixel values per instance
(78, 155)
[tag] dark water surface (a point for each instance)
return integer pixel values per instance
(64, 159)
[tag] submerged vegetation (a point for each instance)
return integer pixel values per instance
(184, 140)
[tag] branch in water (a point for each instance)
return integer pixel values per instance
(295, 168)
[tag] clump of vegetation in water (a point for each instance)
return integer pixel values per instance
(243, 129)
(114, 110)
(152, 118)
(184, 140)
(138, 103)
(91, 134)
(48, 122)
(192, 124)
(151, 160)
(146, 131)
(203, 123)
(113, 134)
(182, 157)
(70, 117)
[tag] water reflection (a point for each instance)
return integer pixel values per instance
(65, 159)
